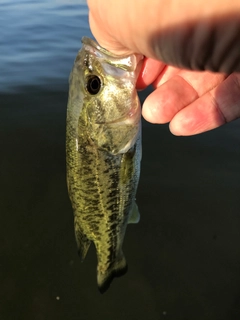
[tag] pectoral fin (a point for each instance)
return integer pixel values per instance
(134, 216)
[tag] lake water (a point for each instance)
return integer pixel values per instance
(183, 256)
(39, 40)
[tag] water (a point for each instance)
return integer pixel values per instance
(38, 42)
(183, 256)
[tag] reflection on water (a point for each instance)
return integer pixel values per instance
(183, 256)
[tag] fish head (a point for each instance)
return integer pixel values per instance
(111, 110)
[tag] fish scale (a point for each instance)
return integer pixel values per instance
(103, 147)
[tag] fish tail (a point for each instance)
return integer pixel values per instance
(117, 269)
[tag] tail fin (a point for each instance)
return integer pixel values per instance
(117, 269)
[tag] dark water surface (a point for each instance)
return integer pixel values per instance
(183, 256)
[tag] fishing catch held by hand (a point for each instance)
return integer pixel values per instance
(103, 146)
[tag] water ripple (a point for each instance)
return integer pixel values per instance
(39, 40)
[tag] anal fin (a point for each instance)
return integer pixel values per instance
(83, 243)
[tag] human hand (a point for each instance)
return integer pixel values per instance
(193, 39)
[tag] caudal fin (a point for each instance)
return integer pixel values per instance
(118, 269)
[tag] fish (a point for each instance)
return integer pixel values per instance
(103, 154)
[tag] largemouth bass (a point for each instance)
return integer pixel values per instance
(103, 147)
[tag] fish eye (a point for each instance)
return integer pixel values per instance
(93, 84)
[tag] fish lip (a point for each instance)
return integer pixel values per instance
(132, 63)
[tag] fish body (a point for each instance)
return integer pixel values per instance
(103, 147)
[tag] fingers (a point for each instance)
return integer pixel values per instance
(215, 108)
(177, 92)
(167, 100)
(193, 102)
(201, 81)
(150, 70)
